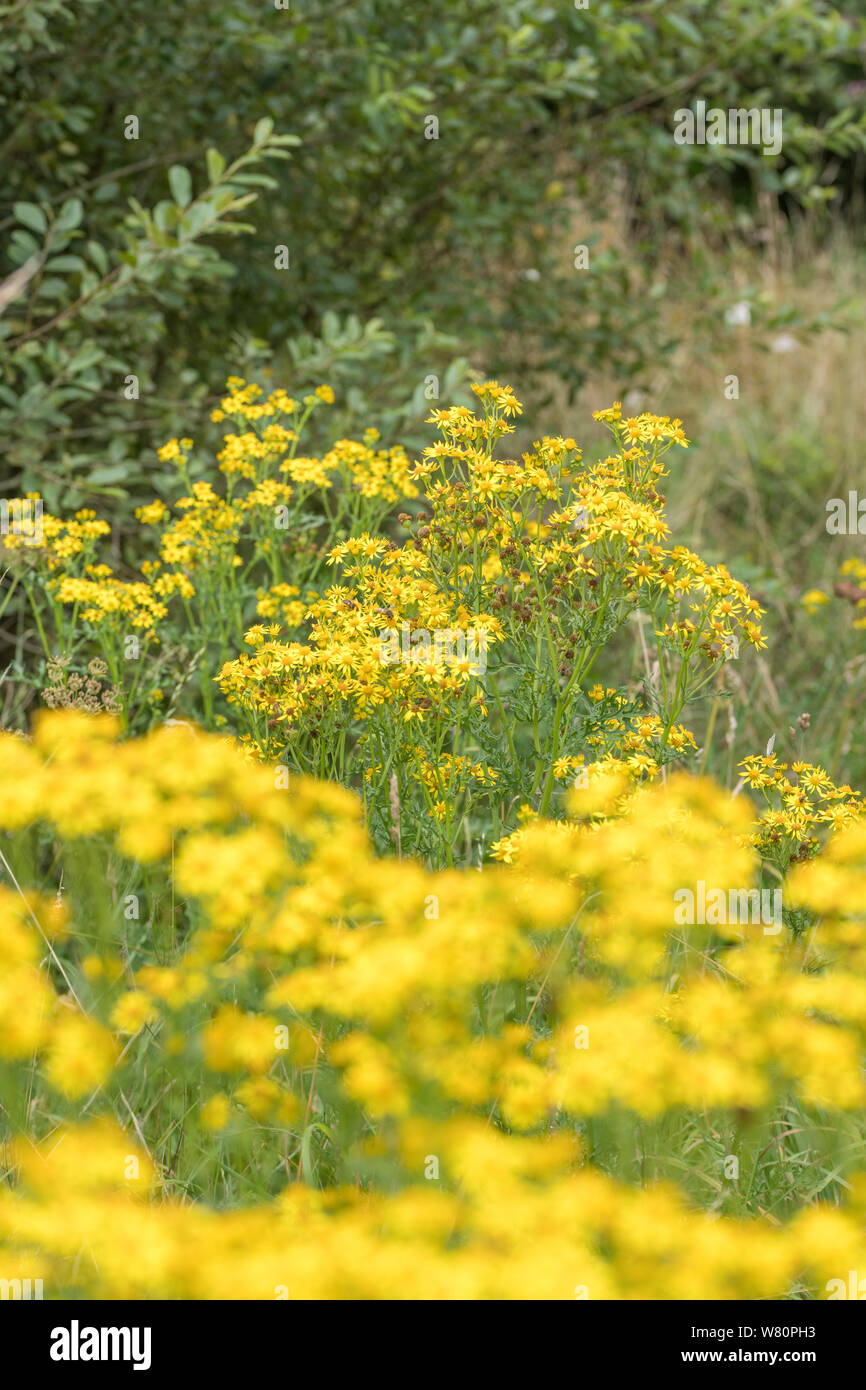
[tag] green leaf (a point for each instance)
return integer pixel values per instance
(22, 246)
(86, 356)
(180, 184)
(165, 216)
(70, 215)
(260, 180)
(98, 256)
(51, 288)
(263, 129)
(120, 492)
(683, 27)
(68, 263)
(306, 1148)
(30, 216)
(215, 164)
(108, 473)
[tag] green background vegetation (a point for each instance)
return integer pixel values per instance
(304, 127)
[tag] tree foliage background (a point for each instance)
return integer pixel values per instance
(305, 127)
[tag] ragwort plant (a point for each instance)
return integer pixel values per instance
(221, 557)
(365, 665)
(271, 1077)
(542, 560)
(243, 1037)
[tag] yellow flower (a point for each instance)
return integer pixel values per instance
(214, 1113)
(80, 1054)
(814, 599)
(132, 1011)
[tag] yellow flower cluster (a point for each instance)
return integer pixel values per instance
(800, 799)
(283, 601)
(345, 660)
(271, 517)
(102, 598)
(854, 574)
(67, 544)
(374, 473)
(851, 585)
(545, 559)
(517, 1224)
(415, 1055)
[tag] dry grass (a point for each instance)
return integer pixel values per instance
(752, 491)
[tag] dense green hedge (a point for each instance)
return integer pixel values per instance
(423, 253)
